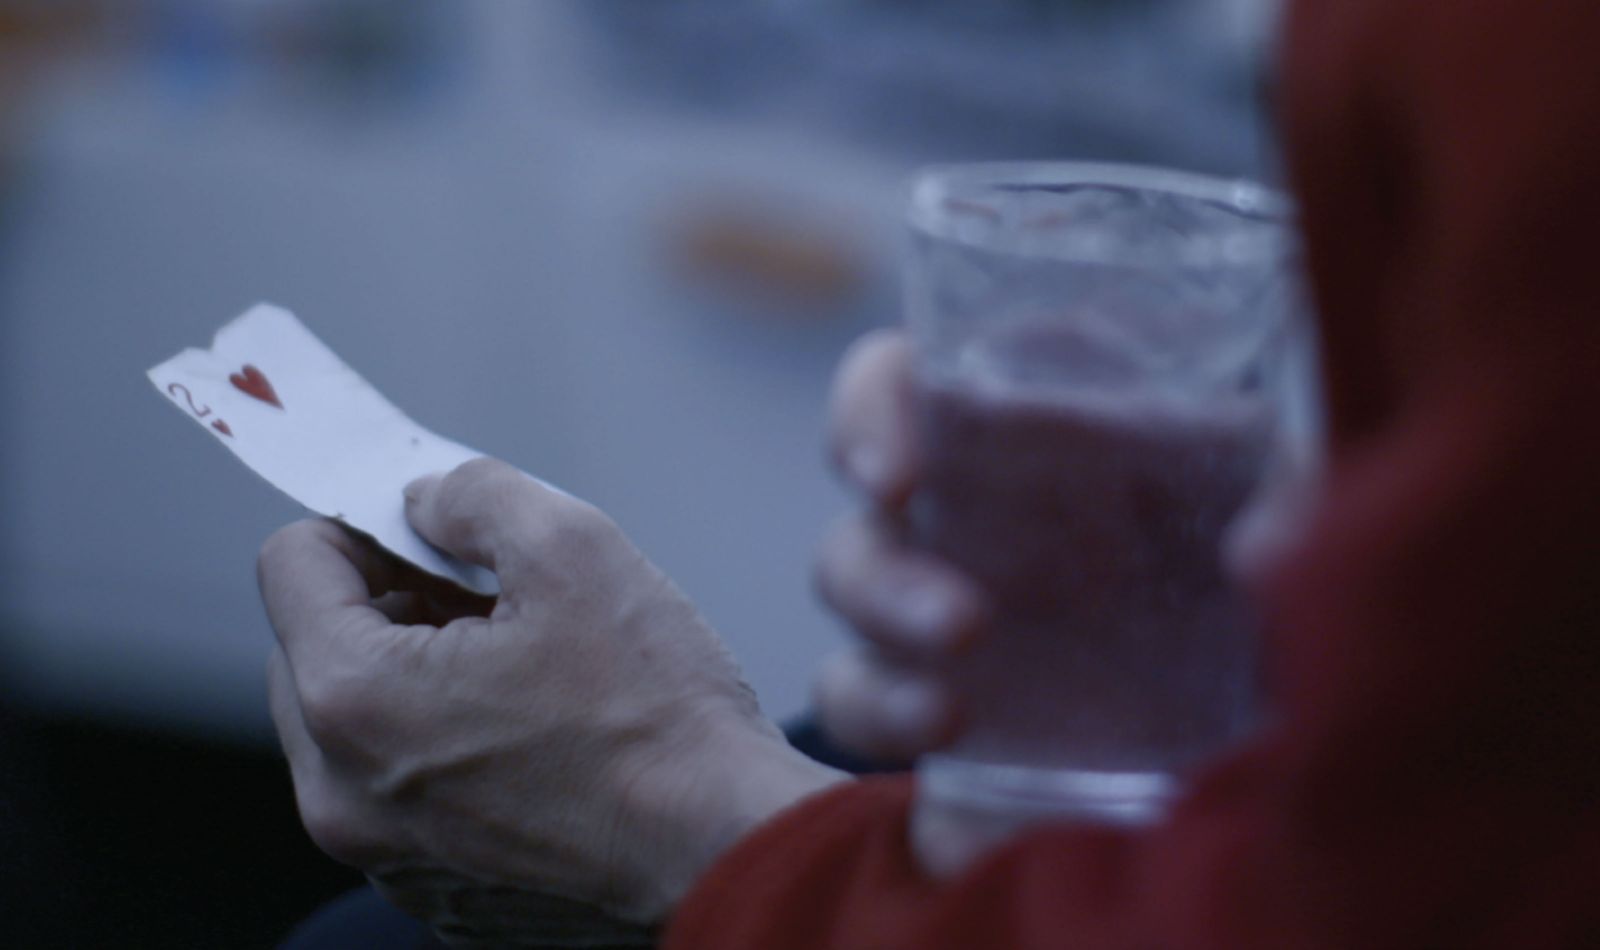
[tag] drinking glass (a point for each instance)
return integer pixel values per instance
(1107, 369)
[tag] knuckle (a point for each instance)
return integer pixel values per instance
(478, 494)
(575, 529)
(333, 826)
(323, 822)
(479, 476)
(338, 710)
(859, 355)
(283, 545)
(879, 710)
(836, 693)
(869, 363)
(867, 351)
(895, 596)
(826, 685)
(273, 550)
(850, 561)
(835, 562)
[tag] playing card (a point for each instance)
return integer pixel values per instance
(276, 397)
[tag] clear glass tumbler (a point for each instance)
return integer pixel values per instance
(1106, 359)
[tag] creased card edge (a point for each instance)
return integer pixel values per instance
(470, 577)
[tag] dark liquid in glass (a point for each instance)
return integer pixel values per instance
(1095, 526)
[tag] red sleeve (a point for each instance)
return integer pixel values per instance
(847, 880)
(1433, 779)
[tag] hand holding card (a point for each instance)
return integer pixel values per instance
(290, 409)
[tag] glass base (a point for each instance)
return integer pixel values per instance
(965, 808)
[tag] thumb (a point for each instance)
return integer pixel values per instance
(488, 513)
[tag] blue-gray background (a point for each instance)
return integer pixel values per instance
(468, 203)
(481, 206)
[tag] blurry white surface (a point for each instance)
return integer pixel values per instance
(475, 264)
(492, 261)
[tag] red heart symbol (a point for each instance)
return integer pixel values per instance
(221, 427)
(253, 382)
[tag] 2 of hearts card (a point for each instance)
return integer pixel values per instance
(285, 405)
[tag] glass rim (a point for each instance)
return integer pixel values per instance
(940, 193)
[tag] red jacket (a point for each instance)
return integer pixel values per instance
(1434, 776)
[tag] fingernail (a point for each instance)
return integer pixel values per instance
(413, 490)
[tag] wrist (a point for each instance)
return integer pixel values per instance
(769, 778)
(745, 778)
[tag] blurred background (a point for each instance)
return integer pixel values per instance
(620, 243)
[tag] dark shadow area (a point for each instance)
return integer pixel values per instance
(116, 837)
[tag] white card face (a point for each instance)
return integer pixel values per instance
(276, 397)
